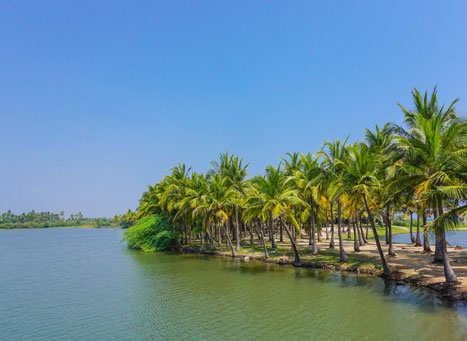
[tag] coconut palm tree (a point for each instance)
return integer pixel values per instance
(231, 168)
(334, 155)
(306, 180)
(381, 144)
(218, 198)
(430, 145)
(359, 178)
(274, 199)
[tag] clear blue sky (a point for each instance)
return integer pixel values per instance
(99, 98)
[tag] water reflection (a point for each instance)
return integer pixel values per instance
(395, 292)
(84, 285)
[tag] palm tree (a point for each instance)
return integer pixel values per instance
(232, 169)
(334, 155)
(253, 213)
(174, 193)
(219, 197)
(359, 178)
(381, 144)
(275, 199)
(306, 180)
(429, 148)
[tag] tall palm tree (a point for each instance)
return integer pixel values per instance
(306, 180)
(231, 168)
(334, 155)
(429, 146)
(359, 178)
(219, 197)
(253, 212)
(381, 144)
(274, 199)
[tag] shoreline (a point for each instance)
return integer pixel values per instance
(63, 227)
(406, 275)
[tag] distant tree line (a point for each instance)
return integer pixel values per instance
(33, 219)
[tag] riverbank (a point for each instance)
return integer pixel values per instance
(410, 265)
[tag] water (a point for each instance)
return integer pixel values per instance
(82, 284)
(454, 238)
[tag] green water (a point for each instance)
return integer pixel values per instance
(82, 284)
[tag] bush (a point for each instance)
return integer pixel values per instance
(400, 222)
(152, 233)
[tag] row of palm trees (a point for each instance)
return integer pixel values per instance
(416, 168)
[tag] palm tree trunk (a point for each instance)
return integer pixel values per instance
(250, 231)
(294, 246)
(281, 238)
(386, 231)
(271, 228)
(356, 246)
(417, 238)
(211, 237)
(189, 235)
(389, 230)
(342, 255)
(260, 232)
(366, 232)
(219, 240)
(201, 242)
(327, 232)
(438, 244)
(412, 238)
(237, 234)
(319, 228)
(331, 243)
(426, 241)
(229, 242)
(314, 250)
(362, 234)
(386, 270)
(448, 271)
(310, 233)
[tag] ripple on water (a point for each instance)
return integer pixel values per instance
(83, 284)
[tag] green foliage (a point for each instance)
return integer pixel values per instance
(101, 222)
(124, 220)
(151, 233)
(31, 220)
(406, 223)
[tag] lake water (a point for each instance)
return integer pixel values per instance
(82, 284)
(454, 238)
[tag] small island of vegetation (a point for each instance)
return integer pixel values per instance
(345, 196)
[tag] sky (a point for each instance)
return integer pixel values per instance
(98, 99)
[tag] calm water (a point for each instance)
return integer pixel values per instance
(83, 284)
(454, 238)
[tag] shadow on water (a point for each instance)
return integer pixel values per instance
(424, 299)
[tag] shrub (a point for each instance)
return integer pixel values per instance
(152, 233)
